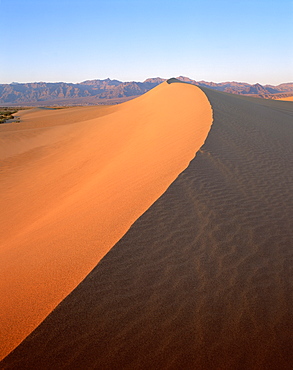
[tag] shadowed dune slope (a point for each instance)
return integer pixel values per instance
(203, 279)
(72, 183)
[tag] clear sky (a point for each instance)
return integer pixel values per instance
(212, 40)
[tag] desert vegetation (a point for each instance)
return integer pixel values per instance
(6, 114)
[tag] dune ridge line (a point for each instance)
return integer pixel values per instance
(73, 181)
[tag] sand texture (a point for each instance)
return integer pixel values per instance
(72, 183)
(203, 279)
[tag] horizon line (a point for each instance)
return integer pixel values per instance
(139, 81)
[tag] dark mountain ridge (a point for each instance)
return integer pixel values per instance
(109, 91)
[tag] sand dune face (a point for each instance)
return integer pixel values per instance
(72, 183)
(289, 98)
(203, 279)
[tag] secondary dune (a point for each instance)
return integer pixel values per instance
(203, 279)
(72, 183)
(289, 98)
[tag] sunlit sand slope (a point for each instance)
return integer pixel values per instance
(72, 183)
(289, 98)
(203, 279)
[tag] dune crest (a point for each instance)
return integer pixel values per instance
(73, 181)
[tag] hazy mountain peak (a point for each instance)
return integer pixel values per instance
(112, 91)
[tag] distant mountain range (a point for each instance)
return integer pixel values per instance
(113, 91)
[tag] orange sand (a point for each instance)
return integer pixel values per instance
(72, 183)
(289, 98)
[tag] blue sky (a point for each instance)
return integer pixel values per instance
(216, 40)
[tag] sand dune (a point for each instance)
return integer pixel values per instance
(203, 279)
(289, 98)
(72, 183)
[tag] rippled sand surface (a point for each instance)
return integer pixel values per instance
(203, 279)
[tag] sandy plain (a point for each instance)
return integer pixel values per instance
(203, 279)
(72, 183)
